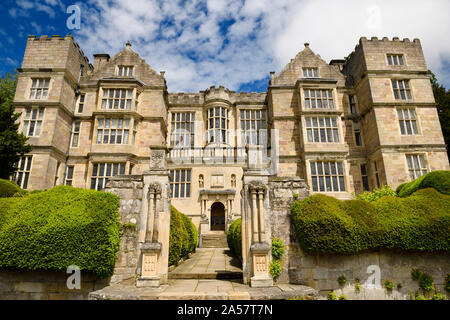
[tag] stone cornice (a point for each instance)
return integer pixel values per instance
(43, 103)
(67, 75)
(37, 149)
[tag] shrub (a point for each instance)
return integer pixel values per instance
(439, 180)
(277, 248)
(426, 282)
(384, 191)
(420, 296)
(9, 188)
(331, 296)
(183, 236)
(275, 268)
(234, 237)
(64, 226)
(389, 285)
(342, 280)
(438, 296)
(327, 225)
(342, 297)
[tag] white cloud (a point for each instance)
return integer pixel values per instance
(25, 8)
(187, 39)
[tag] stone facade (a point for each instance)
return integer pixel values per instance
(100, 120)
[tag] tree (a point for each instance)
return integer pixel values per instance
(442, 97)
(12, 144)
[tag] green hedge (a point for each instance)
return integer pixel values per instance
(439, 180)
(420, 222)
(183, 238)
(64, 226)
(9, 188)
(234, 237)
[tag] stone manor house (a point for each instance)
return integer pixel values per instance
(343, 127)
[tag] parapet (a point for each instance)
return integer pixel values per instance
(386, 39)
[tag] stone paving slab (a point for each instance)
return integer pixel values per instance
(208, 263)
(203, 290)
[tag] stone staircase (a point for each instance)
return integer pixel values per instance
(214, 240)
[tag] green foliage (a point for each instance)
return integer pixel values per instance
(384, 191)
(416, 274)
(342, 280)
(426, 282)
(234, 237)
(420, 222)
(12, 143)
(277, 248)
(129, 226)
(183, 236)
(275, 268)
(342, 297)
(438, 296)
(357, 285)
(442, 97)
(419, 296)
(9, 189)
(389, 285)
(447, 283)
(439, 180)
(331, 296)
(64, 226)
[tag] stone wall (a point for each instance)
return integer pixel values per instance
(40, 285)
(322, 271)
(129, 191)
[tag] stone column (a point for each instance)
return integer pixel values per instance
(255, 246)
(154, 249)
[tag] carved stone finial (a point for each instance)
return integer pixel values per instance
(155, 188)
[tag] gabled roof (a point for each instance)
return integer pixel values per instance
(142, 70)
(293, 71)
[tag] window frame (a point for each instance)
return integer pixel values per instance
(224, 124)
(128, 68)
(359, 132)
(364, 177)
(352, 105)
(24, 171)
(75, 133)
(37, 122)
(319, 179)
(80, 102)
(70, 170)
(405, 91)
(105, 124)
(104, 178)
(41, 89)
(411, 124)
(309, 99)
(108, 100)
(178, 121)
(256, 120)
(391, 56)
(177, 183)
(310, 72)
(423, 170)
(312, 128)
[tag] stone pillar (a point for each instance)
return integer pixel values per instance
(255, 246)
(154, 233)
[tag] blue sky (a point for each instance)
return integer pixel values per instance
(200, 43)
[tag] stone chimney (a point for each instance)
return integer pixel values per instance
(100, 59)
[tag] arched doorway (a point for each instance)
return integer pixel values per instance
(217, 217)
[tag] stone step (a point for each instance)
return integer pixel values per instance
(214, 241)
(219, 275)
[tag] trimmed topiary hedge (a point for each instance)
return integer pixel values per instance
(183, 238)
(420, 222)
(9, 188)
(64, 226)
(234, 237)
(439, 180)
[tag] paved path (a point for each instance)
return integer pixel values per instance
(209, 263)
(198, 278)
(201, 289)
